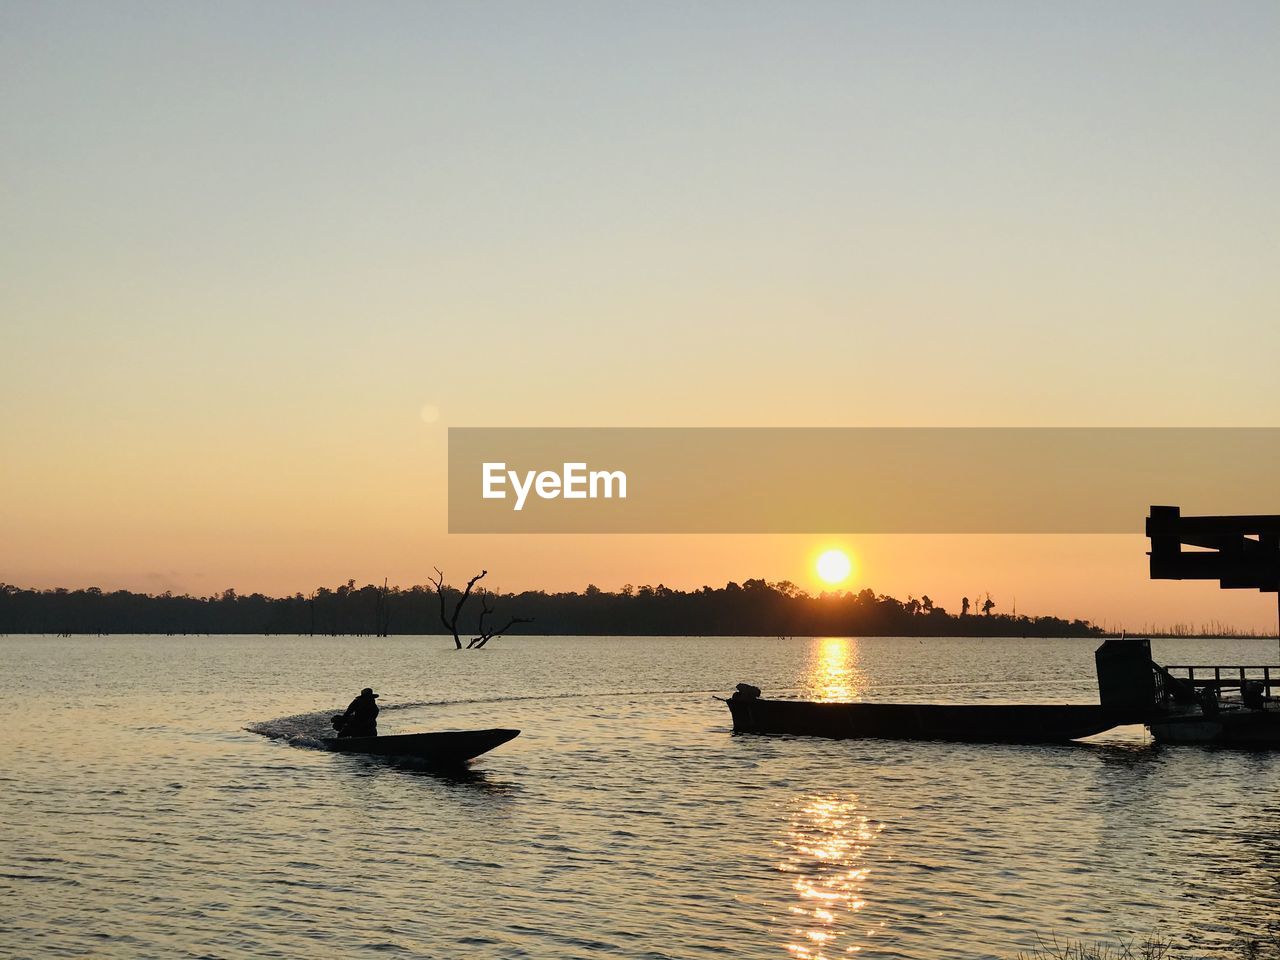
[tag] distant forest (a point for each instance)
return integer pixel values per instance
(753, 608)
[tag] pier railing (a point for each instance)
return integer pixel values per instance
(1227, 677)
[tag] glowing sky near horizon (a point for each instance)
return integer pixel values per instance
(247, 249)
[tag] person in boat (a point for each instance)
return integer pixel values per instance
(361, 718)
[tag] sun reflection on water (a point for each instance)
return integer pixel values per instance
(834, 673)
(824, 855)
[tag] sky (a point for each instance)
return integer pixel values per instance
(255, 259)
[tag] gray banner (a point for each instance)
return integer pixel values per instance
(852, 480)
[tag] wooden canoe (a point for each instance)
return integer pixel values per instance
(445, 749)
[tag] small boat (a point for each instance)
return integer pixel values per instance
(1231, 725)
(445, 749)
(961, 722)
(1179, 704)
(1216, 705)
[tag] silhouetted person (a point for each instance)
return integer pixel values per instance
(361, 718)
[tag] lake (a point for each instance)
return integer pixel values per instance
(154, 805)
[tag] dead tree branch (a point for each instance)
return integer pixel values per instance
(479, 642)
(485, 636)
(451, 622)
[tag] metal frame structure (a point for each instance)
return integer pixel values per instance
(1241, 552)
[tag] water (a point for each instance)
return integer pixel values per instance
(139, 818)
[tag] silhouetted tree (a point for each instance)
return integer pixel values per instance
(964, 606)
(754, 608)
(382, 612)
(451, 622)
(485, 636)
(988, 605)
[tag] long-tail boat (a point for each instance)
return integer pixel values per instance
(442, 749)
(962, 722)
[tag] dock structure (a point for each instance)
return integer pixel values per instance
(1241, 553)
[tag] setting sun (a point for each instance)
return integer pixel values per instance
(834, 566)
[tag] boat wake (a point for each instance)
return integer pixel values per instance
(299, 730)
(310, 729)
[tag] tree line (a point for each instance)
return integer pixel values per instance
(752, 608)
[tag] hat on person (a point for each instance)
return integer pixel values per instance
(368, 692)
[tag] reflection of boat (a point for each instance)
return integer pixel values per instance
(445, 749)
(964, 722)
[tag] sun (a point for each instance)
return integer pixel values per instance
(834, 566)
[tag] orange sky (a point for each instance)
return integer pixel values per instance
(236, 276)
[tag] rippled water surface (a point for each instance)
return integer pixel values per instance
(140, 818)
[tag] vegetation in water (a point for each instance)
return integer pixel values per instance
(1152, 947)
